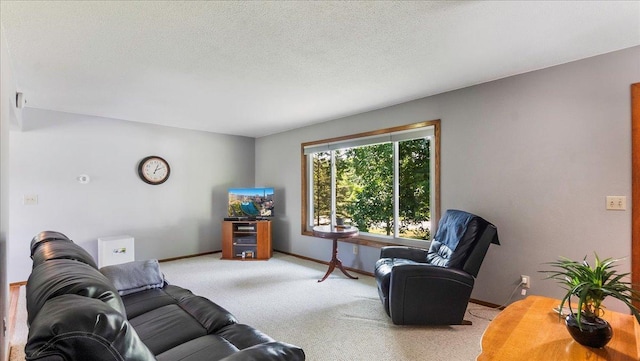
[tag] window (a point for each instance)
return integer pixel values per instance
(384, 182)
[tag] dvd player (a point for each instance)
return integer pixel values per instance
(245, 218)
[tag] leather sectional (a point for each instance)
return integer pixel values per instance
(76, 313)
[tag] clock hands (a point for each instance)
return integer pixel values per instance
(157, 169)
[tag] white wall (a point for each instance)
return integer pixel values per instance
(180, 217)
(7, 112)
(535, 154)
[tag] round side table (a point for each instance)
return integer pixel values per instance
(335, 234)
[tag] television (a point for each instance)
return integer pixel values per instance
(251, 203)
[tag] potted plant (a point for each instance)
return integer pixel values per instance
(591, 285)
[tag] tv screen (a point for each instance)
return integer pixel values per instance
(251, 202)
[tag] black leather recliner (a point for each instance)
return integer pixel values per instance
(433, 287)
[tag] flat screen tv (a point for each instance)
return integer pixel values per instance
(251, 202)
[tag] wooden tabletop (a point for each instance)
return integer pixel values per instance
(335, 232)
(530, 330)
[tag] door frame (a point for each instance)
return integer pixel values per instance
(635, 188)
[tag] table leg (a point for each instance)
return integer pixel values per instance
(335, 261)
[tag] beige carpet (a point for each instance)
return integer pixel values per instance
(338, 319)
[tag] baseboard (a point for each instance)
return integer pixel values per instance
(187, 256)
(487, 304)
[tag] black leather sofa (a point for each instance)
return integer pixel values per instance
(76, 313)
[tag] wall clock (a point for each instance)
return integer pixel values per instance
(154, 170)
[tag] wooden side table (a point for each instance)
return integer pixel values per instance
(530, 330)
(335, 234)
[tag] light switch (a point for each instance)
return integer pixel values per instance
(30, 199)
(616, 203)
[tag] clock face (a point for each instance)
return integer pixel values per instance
(154, 170)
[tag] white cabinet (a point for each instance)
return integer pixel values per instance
(115, 250)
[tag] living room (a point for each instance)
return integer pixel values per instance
(535, 153)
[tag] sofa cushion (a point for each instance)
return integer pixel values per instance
(166, 327)
(205, 348)
(145, 301)
(136, 276)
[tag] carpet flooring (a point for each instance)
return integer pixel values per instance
(335, 320)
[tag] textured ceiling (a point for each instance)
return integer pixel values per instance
(258, 68)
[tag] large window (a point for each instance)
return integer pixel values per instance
(383, 182)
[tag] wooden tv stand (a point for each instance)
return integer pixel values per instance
(246, 240)
(529, 329)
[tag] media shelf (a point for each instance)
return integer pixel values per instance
(246, 240)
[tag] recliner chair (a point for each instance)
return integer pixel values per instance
(433, 287)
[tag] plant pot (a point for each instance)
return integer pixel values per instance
(595, 332)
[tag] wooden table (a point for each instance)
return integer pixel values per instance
(530, 330)
(335, 234)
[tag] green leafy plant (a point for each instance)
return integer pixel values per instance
(591, 285)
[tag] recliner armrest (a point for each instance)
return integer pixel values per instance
(428, 270)
(424, 294)
(412, 253)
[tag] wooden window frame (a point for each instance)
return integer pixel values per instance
(363, 239)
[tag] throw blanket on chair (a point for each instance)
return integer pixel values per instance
(450, 230)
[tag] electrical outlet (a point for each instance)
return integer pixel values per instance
(355, 249)
(525, 281)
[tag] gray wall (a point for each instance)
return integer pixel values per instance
(6, 88)
(9, 117)
(180, 217)
(535, 154)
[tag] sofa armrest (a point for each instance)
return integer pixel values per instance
(412, 253)
(438, 295)
(271, 351)
(74, 327)
(57, 277)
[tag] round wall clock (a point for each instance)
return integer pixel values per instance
(154, 170)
